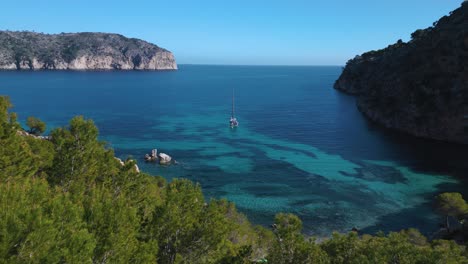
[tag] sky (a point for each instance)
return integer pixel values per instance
(242, 32)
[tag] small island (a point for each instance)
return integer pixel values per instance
(24, 50)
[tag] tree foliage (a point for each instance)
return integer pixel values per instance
(290, 246)
(36, 126)
(68, 200)
(452, 204)
(17, 157)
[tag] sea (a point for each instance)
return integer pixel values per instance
(301, 147)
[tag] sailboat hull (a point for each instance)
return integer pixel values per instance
(233, 122)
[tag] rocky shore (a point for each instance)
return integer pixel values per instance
(80, 51)
(419, 87)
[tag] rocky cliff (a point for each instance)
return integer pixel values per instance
(80, 51)
(419, 87)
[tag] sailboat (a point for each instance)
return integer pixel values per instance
(233, 121)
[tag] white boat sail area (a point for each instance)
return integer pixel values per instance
(233, 121)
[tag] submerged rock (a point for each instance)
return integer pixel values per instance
(419, 87)
(80, 51)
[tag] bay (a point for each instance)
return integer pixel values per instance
(301, 146)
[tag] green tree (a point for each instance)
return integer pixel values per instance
(36, 126)
(417, 34)
(16, 156)
(444, 251)
(5, 104)
(344, 248)
(241, 257)
(290, 246)
(407, 246)
(177, 220)
(451, 204)
(80, 159)
(189, 230)
(40, 226)
(116, 226)
(69, 200)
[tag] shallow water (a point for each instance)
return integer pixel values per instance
(301, 146)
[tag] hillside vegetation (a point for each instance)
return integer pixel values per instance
(419, 87)
(68, 200)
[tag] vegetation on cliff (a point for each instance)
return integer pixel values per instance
(80, 51)
(68, 200)
(419, 87)
(36, 126)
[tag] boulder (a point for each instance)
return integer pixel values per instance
(164, 159)
(153, 156)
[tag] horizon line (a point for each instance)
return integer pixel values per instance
(268, 65)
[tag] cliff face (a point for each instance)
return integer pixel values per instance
(419, 87)
(80, 51)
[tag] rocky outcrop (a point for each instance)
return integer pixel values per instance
(153, 156)
(80, 51)
(27, 134)
(419, 87)
(122, 163)
(164, 159)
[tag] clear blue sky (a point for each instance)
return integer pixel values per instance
(288, 32)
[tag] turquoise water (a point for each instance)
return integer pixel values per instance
(301, 146)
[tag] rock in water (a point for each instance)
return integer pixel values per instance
(419, 87)
(80, 51)
(164, 159)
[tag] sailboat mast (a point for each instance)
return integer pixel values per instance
(233, 121)
(232, 112)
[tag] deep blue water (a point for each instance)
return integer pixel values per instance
(301, 146)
